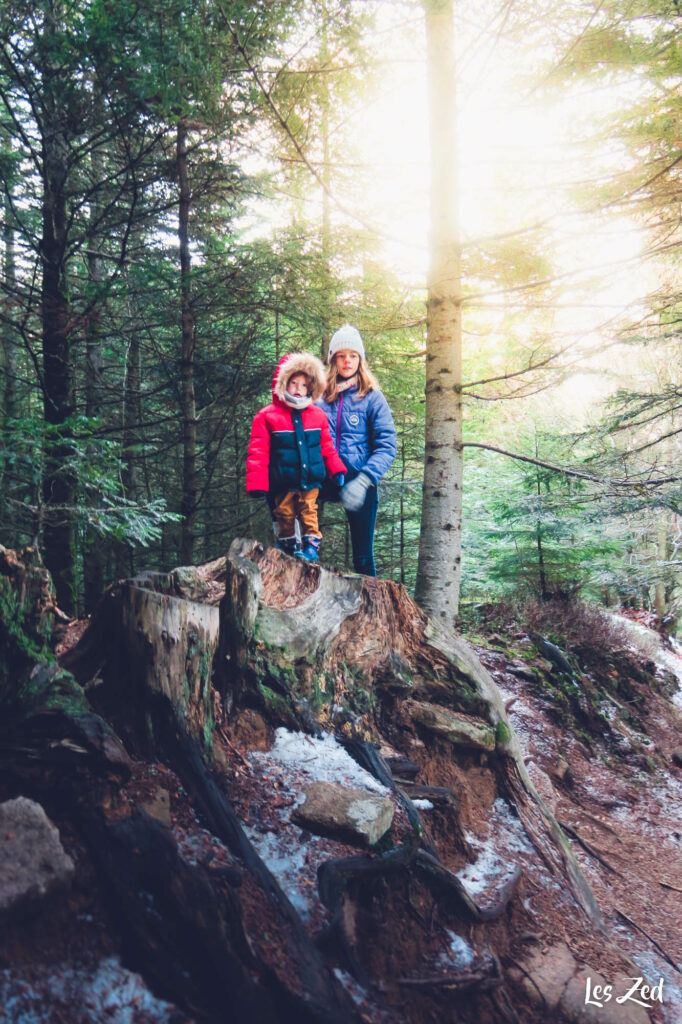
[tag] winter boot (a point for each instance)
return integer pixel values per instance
(310, 548)
(289, 545)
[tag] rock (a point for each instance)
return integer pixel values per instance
(677, 756)
(520, 669)
(33, 862)
(460, 730)
(547, 975)
(561, 769)
(555, 655)
(574, 1007)
(350, 814)
(157, 805)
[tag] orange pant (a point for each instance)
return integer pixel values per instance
(297, 505)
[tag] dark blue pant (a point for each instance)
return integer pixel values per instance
(362, 525)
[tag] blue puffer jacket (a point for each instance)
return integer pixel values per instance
(362, 431)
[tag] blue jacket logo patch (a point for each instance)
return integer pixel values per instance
(354, 419)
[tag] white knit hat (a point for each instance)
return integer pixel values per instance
(346, 337)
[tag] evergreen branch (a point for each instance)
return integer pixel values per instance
(575, 473)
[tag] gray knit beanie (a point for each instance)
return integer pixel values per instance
(346, 337)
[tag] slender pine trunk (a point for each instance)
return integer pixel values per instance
(94, 554)
(131, 418)
(403, 474)
(8, 354)
(59, 486)
(190, 488)
(439, 569)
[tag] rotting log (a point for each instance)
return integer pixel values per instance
(152, 653)
(322, 645)
(144, 645)
(26, 587)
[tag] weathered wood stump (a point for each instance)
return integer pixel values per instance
(316, 651)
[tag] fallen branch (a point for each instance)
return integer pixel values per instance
(481, 982)
(646, 935)
(588, 846)
(667, 885)
(224, 737)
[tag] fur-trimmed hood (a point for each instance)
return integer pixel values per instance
(298, 362)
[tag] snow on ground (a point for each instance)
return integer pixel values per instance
(320, 759)
(105, 992)
(295, 760)
(493, 865)
(292, 862)
(653, 968)
(459, 952)
(650, 643)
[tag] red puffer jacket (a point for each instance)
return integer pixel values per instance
(291, 449)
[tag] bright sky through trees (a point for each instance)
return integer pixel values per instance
(523, 161)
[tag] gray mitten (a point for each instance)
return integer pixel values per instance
(353, 494)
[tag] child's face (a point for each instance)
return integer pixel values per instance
(347, 362)
(298, 385)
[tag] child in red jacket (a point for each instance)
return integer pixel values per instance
(291, 452)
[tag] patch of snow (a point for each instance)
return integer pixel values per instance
(84, 995)
(295, 760)
(506, 824)
(460, 953)
(423, 805)
(486, 871)
(318, 759)
(354, 989)
(286, 857)
(648, 642)
(655, 967)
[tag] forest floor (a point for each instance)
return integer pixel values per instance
(618, 797)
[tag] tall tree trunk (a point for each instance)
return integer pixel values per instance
(58, 483)
(131, 419)
(403, 474)
(326, 237)
(662, 556)
(8, 354)
(439, 568)
(544, 592)
(663, 538)
(94, 553)
(188, 505)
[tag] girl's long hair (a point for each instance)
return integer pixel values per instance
(366, 381)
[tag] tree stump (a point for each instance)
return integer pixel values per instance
(316, 651)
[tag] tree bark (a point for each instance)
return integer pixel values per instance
(94, 553)
(58, 482)
(190, 484)
(8, 353)
(131, 418)
(439, 568)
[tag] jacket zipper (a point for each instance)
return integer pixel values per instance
(338, 424)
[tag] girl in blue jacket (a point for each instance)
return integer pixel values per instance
(362, 430)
